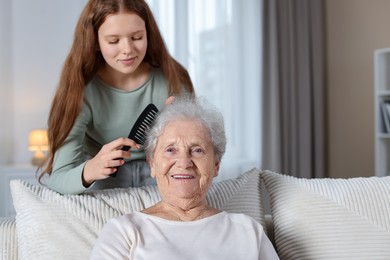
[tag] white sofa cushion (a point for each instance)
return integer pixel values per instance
(8, 242)
(330, 218)
(54, 226)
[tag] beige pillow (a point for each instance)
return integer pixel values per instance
(54, 226)
(330, 218)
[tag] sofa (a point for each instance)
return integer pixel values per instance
(307, 218)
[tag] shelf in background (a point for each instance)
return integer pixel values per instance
(383, 93)
(383, 135)
(382, 123)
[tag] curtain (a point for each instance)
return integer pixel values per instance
(293, 117)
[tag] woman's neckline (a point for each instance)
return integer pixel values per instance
(165, 220)
(169, 212)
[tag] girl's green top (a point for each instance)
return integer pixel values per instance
(107, 114)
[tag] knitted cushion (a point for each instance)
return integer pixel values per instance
(8, 242)
(330, 218)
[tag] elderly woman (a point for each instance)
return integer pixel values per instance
(184, 149)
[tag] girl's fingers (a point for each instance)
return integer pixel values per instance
(119, 143)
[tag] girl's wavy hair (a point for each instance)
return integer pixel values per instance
(85, 58)
(189, 107)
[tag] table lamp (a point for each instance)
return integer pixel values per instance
(38, 143)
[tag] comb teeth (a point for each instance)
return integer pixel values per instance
(146, 119)
(138, 131)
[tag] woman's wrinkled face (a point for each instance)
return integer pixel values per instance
(184, 163)
(123, 41)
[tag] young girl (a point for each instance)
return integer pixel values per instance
(117, 65)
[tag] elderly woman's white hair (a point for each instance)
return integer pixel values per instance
(194, 108)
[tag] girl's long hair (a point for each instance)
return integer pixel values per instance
(84, 60)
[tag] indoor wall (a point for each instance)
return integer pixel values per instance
(35, 38)
(354, 29)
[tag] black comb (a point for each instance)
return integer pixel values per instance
(146, 119)
(138, 131)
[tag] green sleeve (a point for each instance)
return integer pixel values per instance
(69, 182)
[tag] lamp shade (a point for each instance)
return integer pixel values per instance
(38, 140)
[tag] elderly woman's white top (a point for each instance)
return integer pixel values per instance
(222, 236)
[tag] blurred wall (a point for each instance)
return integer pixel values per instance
(35, 39)
(354, 29)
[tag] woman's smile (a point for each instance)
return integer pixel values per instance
(184, 164)
(182, 176)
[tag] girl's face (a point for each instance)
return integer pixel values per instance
(123, 42)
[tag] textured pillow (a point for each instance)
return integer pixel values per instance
(8, 243)
(54, 226)
(330, 218)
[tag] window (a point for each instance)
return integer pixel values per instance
(218, 41)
